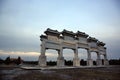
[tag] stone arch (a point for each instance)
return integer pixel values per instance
(102, 59)
(51, 56)
(94, 57)
(105, 61)
(68, 55)
(68, 39)
(83, 56)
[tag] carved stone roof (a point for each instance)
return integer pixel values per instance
(71, 34)
(92, 39)
(81, 34)
(52, 32)
(61, 37)
(100, 43)
(68, 33)
(105, 48)
(43, 37)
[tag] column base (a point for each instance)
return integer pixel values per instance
(76, 62)
(106, 62)
(60, 61)
(42, 61)
(89, 62)
(99, 62)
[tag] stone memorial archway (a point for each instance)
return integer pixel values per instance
(68, 39)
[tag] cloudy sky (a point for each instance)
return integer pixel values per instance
(23, 21)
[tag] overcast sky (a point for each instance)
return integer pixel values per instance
(23, 21)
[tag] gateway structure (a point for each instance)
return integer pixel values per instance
(68, 39)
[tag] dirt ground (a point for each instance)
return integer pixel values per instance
(15, 73)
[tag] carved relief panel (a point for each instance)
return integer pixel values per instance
(52, 38)
(68, 38)
(82, 40)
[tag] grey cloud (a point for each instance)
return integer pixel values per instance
(19, 43)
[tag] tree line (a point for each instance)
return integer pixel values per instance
(84, 63)
(9, 60)
(18, 61)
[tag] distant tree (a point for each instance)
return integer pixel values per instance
(94, 62)
(1, 61)
(68, 63)
(18, 61)
(114, 62)
(51, 63)
(30, 62)
(82, 62)
(7, 60)
(102, 61)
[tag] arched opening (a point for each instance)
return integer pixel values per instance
(51, 57)
(82, 54)
(102, 58)
(94, 57)
(68, 55)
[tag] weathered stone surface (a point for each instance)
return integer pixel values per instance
(89, 62)
(106, 63)
(99, 62)
(68, 39)
(60, 61)
(76, 62)
(42, 61)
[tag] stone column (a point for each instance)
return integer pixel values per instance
(89, 60)
(76, 61)
(99, 61)
(42, 57)
(60, 59)
(106, 62)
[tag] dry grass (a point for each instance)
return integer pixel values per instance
(69, 74)
(37, 75)
(91, 74)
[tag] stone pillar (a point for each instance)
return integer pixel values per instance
(60, 59)
(76, 61)
(89, 60)
(42, 57)
(106, 62)
(99, 61)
